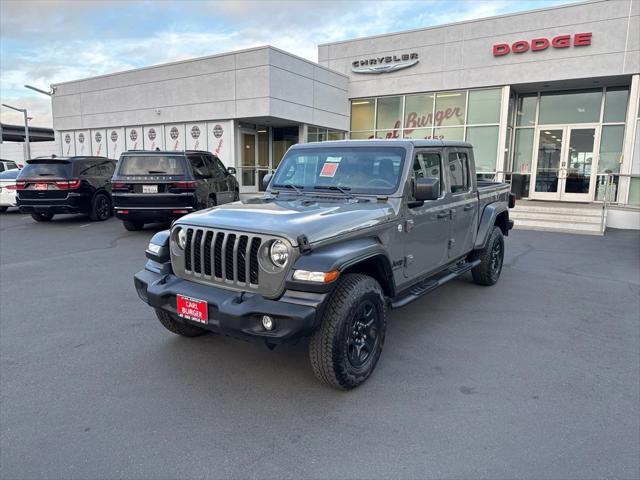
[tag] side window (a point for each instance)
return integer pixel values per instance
(458, 172)
(199, 167)
(84, 168)
(427, 165)
(217, 168)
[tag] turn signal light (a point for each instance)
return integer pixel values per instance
(316, 277)
(118, 185)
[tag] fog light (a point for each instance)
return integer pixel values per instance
(267, 322)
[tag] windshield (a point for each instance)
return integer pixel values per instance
(151, 165)
(365, 170)
(46, 169)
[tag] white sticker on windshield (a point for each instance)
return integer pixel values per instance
(333, 159)
(329, 169)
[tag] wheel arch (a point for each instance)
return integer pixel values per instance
(494, 214)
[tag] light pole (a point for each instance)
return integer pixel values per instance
(27, 150)
(36, 89)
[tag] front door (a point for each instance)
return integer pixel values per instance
(565, 163)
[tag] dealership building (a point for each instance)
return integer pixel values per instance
(549, 99)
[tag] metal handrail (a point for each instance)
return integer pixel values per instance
(606, 202)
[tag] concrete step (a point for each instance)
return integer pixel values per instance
(554, 217)
(584, 228)
(579, 211)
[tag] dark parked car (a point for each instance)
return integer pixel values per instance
(156, 186)
(50, 185)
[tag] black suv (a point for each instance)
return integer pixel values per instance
(50, 185)
(157, 186)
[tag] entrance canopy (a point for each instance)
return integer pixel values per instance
(15, 133)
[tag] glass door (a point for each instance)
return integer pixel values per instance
(565, 163)
(546, 174)
(579, 163)
(248, 158)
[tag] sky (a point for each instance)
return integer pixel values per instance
(43, 42)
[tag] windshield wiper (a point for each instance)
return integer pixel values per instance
(297, 188)
(337, 188)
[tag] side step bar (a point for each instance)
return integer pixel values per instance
(426, 286)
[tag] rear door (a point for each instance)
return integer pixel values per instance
(427, 226)
(463, 202)
(219, 181)
(202, 176)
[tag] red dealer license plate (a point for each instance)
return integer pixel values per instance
(192, 309)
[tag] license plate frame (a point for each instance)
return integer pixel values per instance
(149, 188)
(192, 309)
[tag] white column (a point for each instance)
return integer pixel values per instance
(629, 138)
(502, 131)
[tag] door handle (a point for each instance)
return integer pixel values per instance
(469, 207)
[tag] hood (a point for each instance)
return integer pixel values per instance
(317, 218)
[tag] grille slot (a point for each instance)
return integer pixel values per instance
(222, 257)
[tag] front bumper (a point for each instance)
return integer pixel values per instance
(296, 314)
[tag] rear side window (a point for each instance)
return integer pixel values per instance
(151, 165)
(9, 174)
(200, 168)
(458, 172)
(46, 169)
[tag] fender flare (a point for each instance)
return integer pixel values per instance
(487, 221)
(340, 256)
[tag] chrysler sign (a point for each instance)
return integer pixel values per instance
(388, 63)
(542, 43)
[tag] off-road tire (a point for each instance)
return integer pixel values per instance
(328, 348)
(132, 226)
(178, 327)
(488, 272)
(100, 211)
(42, 217)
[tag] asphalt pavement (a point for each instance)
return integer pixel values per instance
(537, 377)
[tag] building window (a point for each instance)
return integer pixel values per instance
(615, 105)
(418, 114)
(484, 106)
(450, 109)
(570, 107)
(389, 113)
(526, 110)
(363, 114)
(611, 145)
(485, 146)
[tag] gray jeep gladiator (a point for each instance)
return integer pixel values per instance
(344, 231)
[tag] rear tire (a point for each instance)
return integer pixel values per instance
(211, 202)
(491, 259)
(132, 226)
(100, 207)
(236, 196)
(4, 209)
(178, 327)
(346, 347)
(42, 217)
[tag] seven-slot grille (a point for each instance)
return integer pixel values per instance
(222, 256)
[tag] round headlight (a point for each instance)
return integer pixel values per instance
(279, 253)
(182, 238)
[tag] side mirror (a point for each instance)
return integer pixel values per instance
(266, 180)
(427, 189)
(231, 170)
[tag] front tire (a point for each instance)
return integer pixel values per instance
(132, 226)
(176, 326)
(42, 217)
(491, 259)
(346, 347)
(100, 207)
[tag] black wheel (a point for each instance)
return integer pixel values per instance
(211, 202)
(42, 217)
(236, 195)
(132, 226)
(345, 349)
(100, 207)
(4, 209)
(177, 326)
(491, 258)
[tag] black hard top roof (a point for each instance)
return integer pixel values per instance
(391, 142)
(67, 159)
(164, 152)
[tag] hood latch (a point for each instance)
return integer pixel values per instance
(303, 244)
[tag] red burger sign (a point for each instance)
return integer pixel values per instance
(542, 43)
